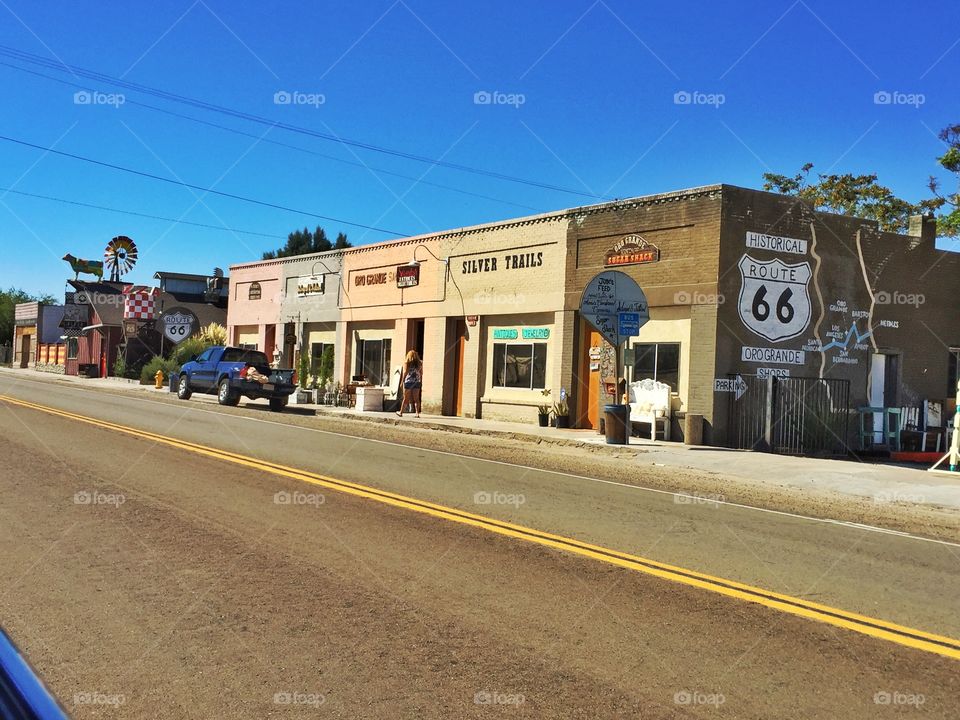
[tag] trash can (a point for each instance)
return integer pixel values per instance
(616, 424)
(693, 429)
(174, 383)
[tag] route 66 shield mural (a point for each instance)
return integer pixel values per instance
(774, 297)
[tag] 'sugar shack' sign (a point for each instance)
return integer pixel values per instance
(606, 296)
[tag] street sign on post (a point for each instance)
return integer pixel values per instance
(606, 296)
(608, 299)
(178, 324)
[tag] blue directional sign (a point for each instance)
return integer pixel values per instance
(628, 324)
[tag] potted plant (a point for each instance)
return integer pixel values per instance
(561, 410)
(543, 411)
(303, 394)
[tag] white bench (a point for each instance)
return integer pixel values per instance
(650, 403)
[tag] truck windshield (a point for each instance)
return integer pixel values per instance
(254, 357)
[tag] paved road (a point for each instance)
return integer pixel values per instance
(200, 596)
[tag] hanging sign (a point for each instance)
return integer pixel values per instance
(408, 276)
(631, 250)
(606, 296)
(179, 324)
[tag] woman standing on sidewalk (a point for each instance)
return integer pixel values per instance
(412, 382)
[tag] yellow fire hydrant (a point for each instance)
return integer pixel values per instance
(159, 378)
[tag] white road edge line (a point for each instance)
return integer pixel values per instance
(828, 521)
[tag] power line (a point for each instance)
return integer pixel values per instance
(11, 191)
(211, 191)
(297, 148)
(175, 97)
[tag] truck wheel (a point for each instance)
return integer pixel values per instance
(226, 395)
(183, 388)
(278, 404)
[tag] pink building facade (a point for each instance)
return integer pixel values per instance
(256, 294)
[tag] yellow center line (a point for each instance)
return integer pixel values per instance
(873, 627)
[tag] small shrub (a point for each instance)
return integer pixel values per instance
(149, 370)
(303, 370)
(213, 334)
(326, 365)
(182, 353)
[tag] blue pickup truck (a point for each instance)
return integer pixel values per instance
(233, 373)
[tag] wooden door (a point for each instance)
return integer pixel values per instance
(461, 350)
(588, 391)
(25, 351)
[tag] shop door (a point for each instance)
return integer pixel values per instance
(290, 345)
(461, 349)
(25, 351)
(270, 341)
(883, 385)
(415, 336)
(589, 390)
(453, 366)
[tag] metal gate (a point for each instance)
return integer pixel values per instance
(789, 415)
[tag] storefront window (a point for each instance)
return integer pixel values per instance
(73, 349)
(316, 355)
(953, 371)
(373, 361)
(520, 366)
(659, 361)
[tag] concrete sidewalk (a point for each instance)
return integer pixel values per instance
(880, 482)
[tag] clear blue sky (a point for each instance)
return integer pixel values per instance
(598, 81)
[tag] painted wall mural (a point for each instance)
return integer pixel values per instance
(774, 298)
(781, 299)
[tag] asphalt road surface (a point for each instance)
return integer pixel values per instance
(145, 578)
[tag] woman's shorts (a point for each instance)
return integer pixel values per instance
(412, 386)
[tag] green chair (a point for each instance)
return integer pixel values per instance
(867, 433)
(891, 428)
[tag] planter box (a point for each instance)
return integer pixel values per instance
(369, 399)
(301, 397)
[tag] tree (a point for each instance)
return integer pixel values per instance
(849, 194)
(862, 196)
(948, 224)
(8, 300)
(303, 242)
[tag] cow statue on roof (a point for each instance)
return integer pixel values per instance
(87, 267)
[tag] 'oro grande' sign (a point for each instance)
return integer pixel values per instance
(631, 250)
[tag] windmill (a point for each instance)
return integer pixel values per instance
(120, 256)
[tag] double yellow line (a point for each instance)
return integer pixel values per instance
(909, 637)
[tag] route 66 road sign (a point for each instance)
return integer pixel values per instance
(774, 298)
(179, 324)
